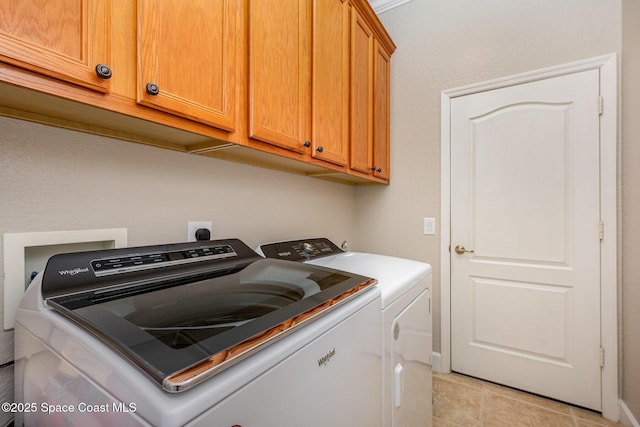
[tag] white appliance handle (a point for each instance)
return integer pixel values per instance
(398, 384)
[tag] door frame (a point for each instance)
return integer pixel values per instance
(608, 66)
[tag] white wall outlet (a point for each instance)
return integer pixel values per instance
(430, 226)
(192, 226)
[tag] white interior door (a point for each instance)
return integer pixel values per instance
(525, 204)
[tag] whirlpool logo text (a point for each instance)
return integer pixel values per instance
(325, 359)
(74, 271)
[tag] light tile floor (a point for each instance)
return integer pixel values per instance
(461, 401)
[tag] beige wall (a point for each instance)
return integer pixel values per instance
(54, 179)
(630, 274)
(448, 44)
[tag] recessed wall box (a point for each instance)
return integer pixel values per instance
(26, 253)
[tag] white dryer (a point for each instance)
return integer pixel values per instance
(405, 288)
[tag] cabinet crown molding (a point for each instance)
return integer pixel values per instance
(380, 6)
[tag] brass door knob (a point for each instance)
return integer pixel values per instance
(460, 250)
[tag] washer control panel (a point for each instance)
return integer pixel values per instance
(300, 250)
(70, 273)
(145, 261)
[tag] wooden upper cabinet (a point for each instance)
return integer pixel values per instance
(279, 68)
(187, 59)
(370, 93)
(381, 112)
(64, 39)
(330, 81)
(306, 80)
(361, 129)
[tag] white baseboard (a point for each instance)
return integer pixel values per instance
(626, 417)
(436, 362)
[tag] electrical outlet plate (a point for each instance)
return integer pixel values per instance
(192, 226)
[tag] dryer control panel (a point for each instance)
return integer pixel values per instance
(300, 250)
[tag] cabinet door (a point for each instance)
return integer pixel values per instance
(361, 94)
(187, 54)
(381, 119)
(65, 39)
(330, 81)
(279, 68)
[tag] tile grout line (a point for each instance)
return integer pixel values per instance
(482, 400)
(573, 416)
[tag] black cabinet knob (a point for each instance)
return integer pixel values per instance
(379, 170)
(320, 149)
(153, 89)
(373, 168)
(307, 144)
(103, 71)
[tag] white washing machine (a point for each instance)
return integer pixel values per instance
(405, 287)
(198, 334)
